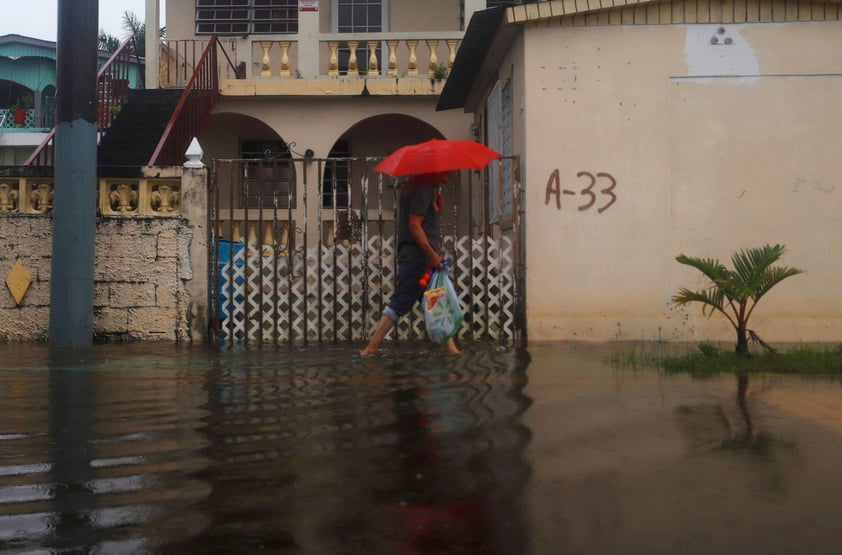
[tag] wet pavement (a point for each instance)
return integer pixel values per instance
(163, 449)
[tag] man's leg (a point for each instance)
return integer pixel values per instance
(451, 347)
(383, 326)
(406, 294)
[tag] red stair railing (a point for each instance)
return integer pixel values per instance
(112, 92)
(193, 111)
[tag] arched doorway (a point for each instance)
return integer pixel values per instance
(376, 137)
(268, 177)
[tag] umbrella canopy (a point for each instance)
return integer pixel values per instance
(437, 156)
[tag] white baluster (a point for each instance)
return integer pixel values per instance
(413, 60)
(265, 64)
(284, 44)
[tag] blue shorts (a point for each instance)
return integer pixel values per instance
(408, 291)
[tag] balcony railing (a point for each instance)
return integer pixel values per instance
(180, 58)
(194, 108)
(23, 120)
(359, 55)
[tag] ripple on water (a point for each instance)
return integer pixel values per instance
(137, 448)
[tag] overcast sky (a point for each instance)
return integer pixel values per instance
(37, 18)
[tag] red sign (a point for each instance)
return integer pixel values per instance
(308, 5)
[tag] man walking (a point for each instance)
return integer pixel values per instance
(418, 250)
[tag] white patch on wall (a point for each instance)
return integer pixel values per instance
(718, 50)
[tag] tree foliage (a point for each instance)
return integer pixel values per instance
(134, 28)
(736, 292)
(108, 43)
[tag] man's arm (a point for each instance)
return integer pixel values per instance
(420, 238)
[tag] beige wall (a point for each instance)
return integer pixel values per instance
(713, 148)
(317, 123)
(430, 15)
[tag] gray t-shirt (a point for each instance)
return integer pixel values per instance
(418, 197)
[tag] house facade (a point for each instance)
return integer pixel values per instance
(27, 95)
(28, 92)
(355, 78)
(651, 129)
(290, 106)
(311, 95)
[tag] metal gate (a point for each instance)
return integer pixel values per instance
(303, 250)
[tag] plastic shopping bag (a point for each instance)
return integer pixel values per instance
(442, 313)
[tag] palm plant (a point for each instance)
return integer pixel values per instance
(735, 293)
(107, 42)
(136, 28)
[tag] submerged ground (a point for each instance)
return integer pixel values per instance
(163, 449)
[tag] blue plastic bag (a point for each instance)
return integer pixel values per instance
(442, 313)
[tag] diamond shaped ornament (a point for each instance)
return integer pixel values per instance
(18, 281)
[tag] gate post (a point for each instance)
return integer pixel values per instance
(194, 208)
(311, 184)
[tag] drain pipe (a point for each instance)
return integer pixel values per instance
(74, 203)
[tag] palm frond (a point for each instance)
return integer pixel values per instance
(709, 297)
(712, 269)
(772, 277)
(751, 264)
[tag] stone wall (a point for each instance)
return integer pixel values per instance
(150, 279)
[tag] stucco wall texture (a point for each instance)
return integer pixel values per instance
(705, 147)
(139, 280)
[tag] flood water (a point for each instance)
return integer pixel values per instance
(164, 449)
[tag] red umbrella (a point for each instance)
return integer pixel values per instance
(436, 156)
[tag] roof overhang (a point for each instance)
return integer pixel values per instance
(471, 57)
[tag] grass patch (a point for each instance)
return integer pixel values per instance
(635, 355)
(708, 360)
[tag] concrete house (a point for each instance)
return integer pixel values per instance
(649, 129)
(289, 104)
(310, 95)
(28, 91)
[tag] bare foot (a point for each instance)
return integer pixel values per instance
(368, 351)
(451, 348)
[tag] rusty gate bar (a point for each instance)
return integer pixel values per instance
(213, 243)
(364, 249)
(247, 231)
(520, 255)
(231, 267)
(470, 315)
(319, 254)
(307, 273)
(290, 266)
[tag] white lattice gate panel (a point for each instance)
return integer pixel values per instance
(232, 296)
(274, 297)
(487, 288)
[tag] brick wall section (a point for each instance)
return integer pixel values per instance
(150, 277)
(139, 279)
(28, 238)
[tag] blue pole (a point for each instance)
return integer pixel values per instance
(74, 203)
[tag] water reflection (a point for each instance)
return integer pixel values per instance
(154, 449)
(382, 456)
(315, 451)
(71, 396)
(730, 427)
